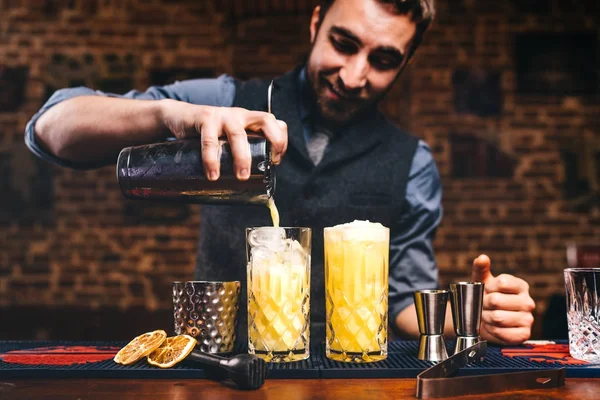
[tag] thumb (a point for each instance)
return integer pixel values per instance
(481, 269)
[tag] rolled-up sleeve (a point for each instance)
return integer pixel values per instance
(214, 92)
(412, 260)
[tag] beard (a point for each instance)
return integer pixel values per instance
(347, 107)
(342, 109)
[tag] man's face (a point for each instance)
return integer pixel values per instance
(357, 53)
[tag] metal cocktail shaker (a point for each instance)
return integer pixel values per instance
(173, 171)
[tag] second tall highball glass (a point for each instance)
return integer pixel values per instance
(356, 291)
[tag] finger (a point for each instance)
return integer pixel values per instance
(508, 302)
(284, 128)
(505, 336)
(209, 133)
(275, 131)
(481, 269)
(507, 284)
(507, 319)
(240, 149)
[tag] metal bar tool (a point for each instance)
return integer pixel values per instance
(431, 315)
(437, 381)
(467, 304)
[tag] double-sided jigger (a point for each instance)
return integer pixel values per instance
(431, 315)
(467, 304)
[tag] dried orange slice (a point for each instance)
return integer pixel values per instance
(140, 347)
(172, 351)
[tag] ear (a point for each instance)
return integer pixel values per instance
(314, 23)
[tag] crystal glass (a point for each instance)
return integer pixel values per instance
(582, 287)
(278, 292)
(356, 292)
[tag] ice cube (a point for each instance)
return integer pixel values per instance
(262, 254)
(273, 238)
(294, 254)
(294, 259)
(295, 245)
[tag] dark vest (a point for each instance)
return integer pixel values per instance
(363, 176)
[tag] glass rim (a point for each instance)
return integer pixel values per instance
(371, 228)
(582, 269)
(209, 282)
(465, 283)
(279, 227)
(432, 291)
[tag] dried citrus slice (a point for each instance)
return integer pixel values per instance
(172, 351)
(140, 347)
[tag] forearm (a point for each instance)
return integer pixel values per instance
(407, 324)
(89, 128)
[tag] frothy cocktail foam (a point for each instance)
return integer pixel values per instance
(360, 231)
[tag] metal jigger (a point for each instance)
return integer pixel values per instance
(467, 303)
(431, 315)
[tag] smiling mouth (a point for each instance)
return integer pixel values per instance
(336, 95)
(333, 94)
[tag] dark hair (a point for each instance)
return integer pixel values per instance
(421, 12)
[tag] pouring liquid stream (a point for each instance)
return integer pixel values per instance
(274, 212)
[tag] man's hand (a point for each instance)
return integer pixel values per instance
(507, 307)
(210, 123)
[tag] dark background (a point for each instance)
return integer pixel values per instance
(505, 92)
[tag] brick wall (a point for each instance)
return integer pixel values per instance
(68, 240)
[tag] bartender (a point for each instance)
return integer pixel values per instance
(339, 158)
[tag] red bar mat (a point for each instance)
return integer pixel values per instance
(37, 359)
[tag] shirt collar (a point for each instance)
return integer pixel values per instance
(307, 104)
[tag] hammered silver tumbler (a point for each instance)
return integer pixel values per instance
(208, 312)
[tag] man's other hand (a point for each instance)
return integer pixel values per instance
(507, 307)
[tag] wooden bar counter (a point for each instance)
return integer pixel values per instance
(298, 389)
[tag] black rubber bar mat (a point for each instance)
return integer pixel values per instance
(402, 362)
(34, 359)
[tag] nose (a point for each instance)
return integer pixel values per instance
(353, 75)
